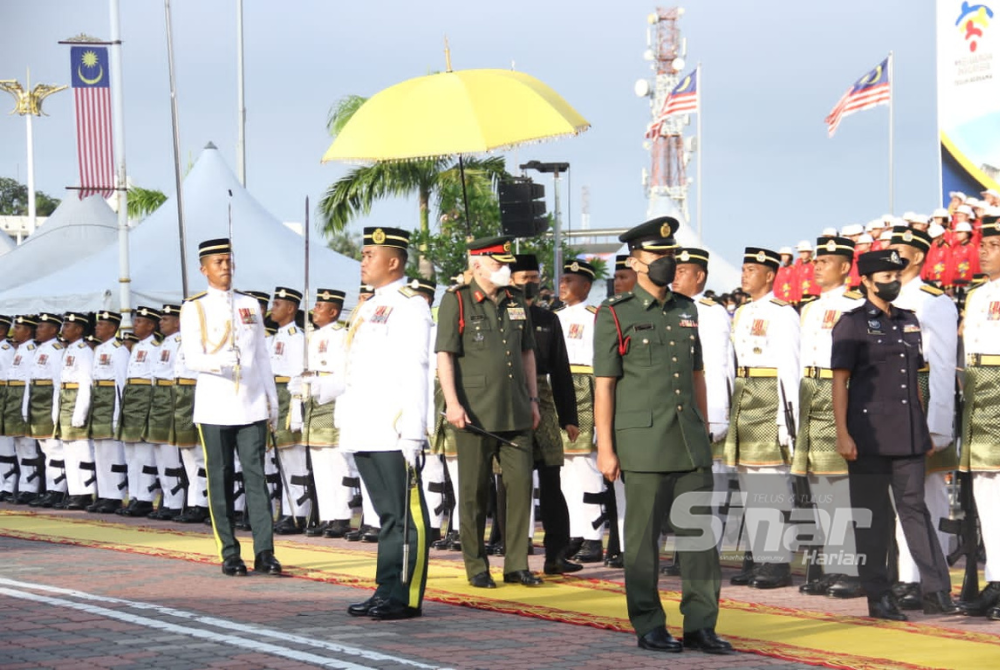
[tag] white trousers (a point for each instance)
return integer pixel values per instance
(193, 459)
(27, 450)
(294, 468)
(108, 456)
(167, 457)
(986, 489)
(8, 467)
(722, 475)
(580, 475)
(55, 477)
(451, 462)
(768, 500)
(936, 499)
(433, 473)
(330, 467)
(141, 462)
(76, 453)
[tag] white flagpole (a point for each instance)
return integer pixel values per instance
(177, 150)
(701, 151)
(891, 172)
(121, 185)
(241, 110)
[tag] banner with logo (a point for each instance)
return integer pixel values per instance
(968, 78)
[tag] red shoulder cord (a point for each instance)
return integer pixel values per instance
(461, 313)
(622, 342)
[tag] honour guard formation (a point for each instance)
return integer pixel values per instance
(833, 427)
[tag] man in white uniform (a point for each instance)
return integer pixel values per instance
(38, 404)
(71, 412)
(109, 373)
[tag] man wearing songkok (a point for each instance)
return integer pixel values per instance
(71, 412)
(109, 374)
(38, 405)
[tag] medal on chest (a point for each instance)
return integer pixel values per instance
(17, 361)
(104, 359)
(758, 328)
(381, 314)
(322, 347)
(43, 359)
(993, 312)
(248, 316)
(830, 317)
(279, 348)
(687, 321)
(576, 331)
(165, 356)
(141, 356)
(517, 314)
(69, 361)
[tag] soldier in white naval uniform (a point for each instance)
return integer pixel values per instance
(133, 424)
(287, 348)
(714, 331)
(108, 374)
(938, 318)
(816, 454)
(222, 334)
(38, 403)
(71, 412)
(326, 381)
(8, 455)
(382, 417)
(766, 343)
(31, 462)
(980, 424)
(579, 474)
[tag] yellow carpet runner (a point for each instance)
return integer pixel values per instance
(805, 636)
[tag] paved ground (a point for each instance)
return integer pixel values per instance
(66, 606)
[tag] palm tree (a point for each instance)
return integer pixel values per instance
(142, 202)
(355, 193)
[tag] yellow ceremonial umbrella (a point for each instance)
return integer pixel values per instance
(455, 113)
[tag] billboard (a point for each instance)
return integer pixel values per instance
(968, 82)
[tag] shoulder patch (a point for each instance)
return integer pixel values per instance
(778, 301)
(57, 346)
(408, 292)
(196, 296)
(708, 302)
(619, 298)
(933, 290)
(854, 294)
(591, 309)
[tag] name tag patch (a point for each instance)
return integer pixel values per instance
(515, 313)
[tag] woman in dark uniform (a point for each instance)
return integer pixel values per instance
(882, 433)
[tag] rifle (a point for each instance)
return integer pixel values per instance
(800, 485)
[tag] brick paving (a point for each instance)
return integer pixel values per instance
(44, 635)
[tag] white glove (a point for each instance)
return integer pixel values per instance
(272, 414)
(411, 449)
(783, 436)
(295, 415)
(719, 431)
(940, 442)
(226, 359)
(79, 420)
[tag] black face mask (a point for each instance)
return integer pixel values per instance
(662, 270)
(531, 290)
(888, 291)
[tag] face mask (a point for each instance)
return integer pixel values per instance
(501, 277)
(662, 270)
(888, 291)
(531, 290)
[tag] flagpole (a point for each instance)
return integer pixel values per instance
(177, 149)
(701, 151)
(121, 184)
(241, 152)
(891, 153)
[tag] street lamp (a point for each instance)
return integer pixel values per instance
(556, 169)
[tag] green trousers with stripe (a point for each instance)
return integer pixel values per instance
(385, 477)
(220, 443)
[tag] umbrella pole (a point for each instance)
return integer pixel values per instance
(465, 197)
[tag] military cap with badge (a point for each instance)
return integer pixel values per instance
(396, 238)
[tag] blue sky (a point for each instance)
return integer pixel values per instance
(771, 72)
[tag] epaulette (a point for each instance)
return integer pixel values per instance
(560, 308)
(408, 292)
(5, 346)
(57, 346)
(620, 297)
(591, 309)
(779, 301)
(854, 294)
(31, 346)
(455, 288)
(157, 340)
(292, 331)
(117, 344)
(338, 326)
(806, 300)
(196, 296)
(81, 344)
(708, 302)
(933, 290)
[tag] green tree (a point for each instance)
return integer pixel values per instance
(355, 193)
(14, 199)
(346, 243)
(143, 201)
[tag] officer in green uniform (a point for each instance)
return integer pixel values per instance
(650, 414)
(486, 365)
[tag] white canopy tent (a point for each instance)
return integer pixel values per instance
(267, 254)
(76, 230)
(6, 244)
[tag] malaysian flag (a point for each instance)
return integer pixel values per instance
(92, 90)
(682, 100)
(869, 91)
